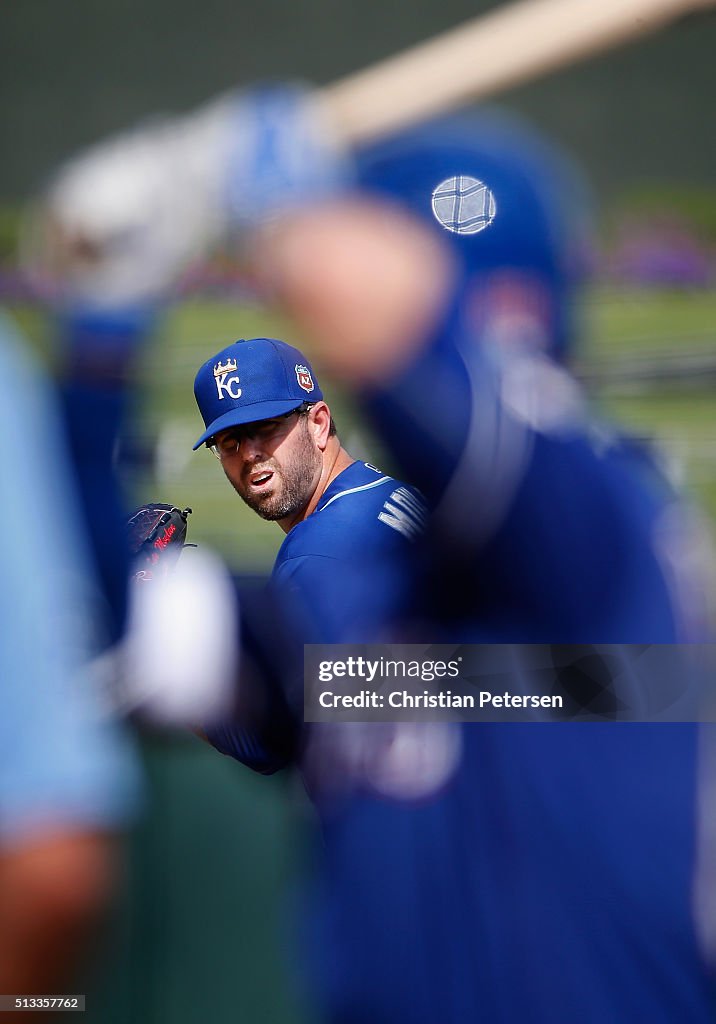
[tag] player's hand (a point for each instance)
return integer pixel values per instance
(120, 222)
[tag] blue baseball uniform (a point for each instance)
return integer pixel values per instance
(520, 872)
(548, 873)
(341, 575)
(341, 562)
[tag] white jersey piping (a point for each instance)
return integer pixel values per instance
(354, 490)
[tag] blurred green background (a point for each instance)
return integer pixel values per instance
(205, 924)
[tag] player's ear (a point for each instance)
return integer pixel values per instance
(319, 424)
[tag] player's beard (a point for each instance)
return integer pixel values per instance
(292, 482)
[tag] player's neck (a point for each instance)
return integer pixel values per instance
(335, 460)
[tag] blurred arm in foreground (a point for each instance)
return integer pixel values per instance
(447, 293)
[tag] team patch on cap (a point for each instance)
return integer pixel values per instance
(304, 378)
(464, 205)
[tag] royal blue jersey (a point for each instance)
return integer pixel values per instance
(546, 528)
(519, 872)
(341, 575)
(346, 563)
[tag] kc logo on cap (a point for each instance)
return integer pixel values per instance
(252, 380)
(227, 379)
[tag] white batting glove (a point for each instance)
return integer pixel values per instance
(120, 222)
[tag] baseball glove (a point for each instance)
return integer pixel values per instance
(156, 536)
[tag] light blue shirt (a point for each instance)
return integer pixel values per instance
(63, 761)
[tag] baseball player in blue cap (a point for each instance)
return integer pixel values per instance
(256, 392)
(343, 567)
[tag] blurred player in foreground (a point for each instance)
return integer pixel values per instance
(67, 778)
(541, 872)
(551, 874)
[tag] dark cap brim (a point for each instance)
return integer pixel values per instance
(248, 414)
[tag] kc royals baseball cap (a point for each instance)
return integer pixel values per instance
(252, 380)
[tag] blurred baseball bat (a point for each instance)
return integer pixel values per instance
(83, 235)
(509, 45)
